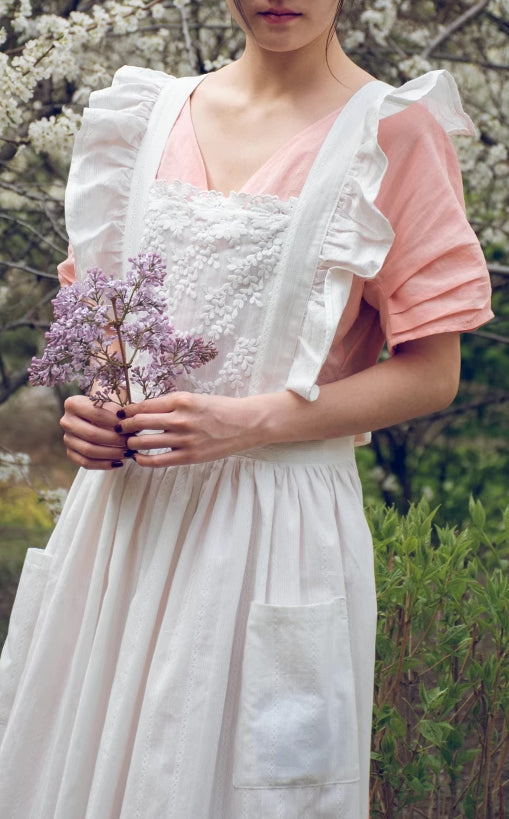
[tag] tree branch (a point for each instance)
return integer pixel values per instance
(503, 25)
(27, 269)
(28, 195)
(457, 58)
(460, 21)
(30, 228)
(492, 336)
(13, 384)
(498, 269)
(491, 399)
(191, 51)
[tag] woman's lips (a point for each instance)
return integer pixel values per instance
(279, 15)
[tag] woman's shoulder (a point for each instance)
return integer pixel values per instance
(412, 130)
(417, 122)
(429, 105)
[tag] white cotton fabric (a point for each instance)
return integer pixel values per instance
(198, 642)
(296, 663)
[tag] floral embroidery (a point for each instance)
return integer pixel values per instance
(221, 254)
(231, 378)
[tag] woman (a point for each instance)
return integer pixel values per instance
(197, 640)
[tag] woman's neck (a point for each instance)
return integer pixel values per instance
(263, 76)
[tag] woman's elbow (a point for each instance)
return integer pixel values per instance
(447, 389)
(438, 365)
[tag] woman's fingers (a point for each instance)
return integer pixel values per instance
(89, 434)
(173, 411)
(159, 440)
(161, 459)
(88, 431)
(94, 451)
(93, 456)
(80, 406)
(89, 463)
(162, 404)
(168, 422)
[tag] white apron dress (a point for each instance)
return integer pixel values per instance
(197, 642)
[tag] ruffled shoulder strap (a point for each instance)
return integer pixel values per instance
(338, 232)
(438, 92)
(106, 155)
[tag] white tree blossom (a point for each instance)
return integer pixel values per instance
(14, 466)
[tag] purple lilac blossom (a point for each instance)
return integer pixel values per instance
(103, 324)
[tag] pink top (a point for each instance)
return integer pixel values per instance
(434, 279)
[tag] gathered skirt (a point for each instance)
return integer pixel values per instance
(196, 643)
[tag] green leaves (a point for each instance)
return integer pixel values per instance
(441, 712)
(477, 513)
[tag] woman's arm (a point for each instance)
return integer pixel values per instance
(421, 378)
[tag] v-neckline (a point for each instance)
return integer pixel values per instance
(282, 150)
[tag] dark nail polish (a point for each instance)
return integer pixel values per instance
(130, 452)
(121, 413)
(116, 464)
(118, 428)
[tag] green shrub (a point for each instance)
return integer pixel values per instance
(24, 521)
(22, 506)
(441, 713)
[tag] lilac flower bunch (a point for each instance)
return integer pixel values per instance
(110, 334)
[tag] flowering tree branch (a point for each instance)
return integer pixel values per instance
(182, 6)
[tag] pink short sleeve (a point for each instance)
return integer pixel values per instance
(434, 279)
(65, 270)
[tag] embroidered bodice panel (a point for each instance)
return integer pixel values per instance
(222, 254)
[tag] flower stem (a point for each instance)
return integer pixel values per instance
(125, 366)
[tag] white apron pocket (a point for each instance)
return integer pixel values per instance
(297, 722)
(22, 623)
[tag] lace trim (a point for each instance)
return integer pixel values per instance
(262, 201)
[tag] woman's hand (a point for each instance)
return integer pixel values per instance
(194, 426)
(89, 434)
